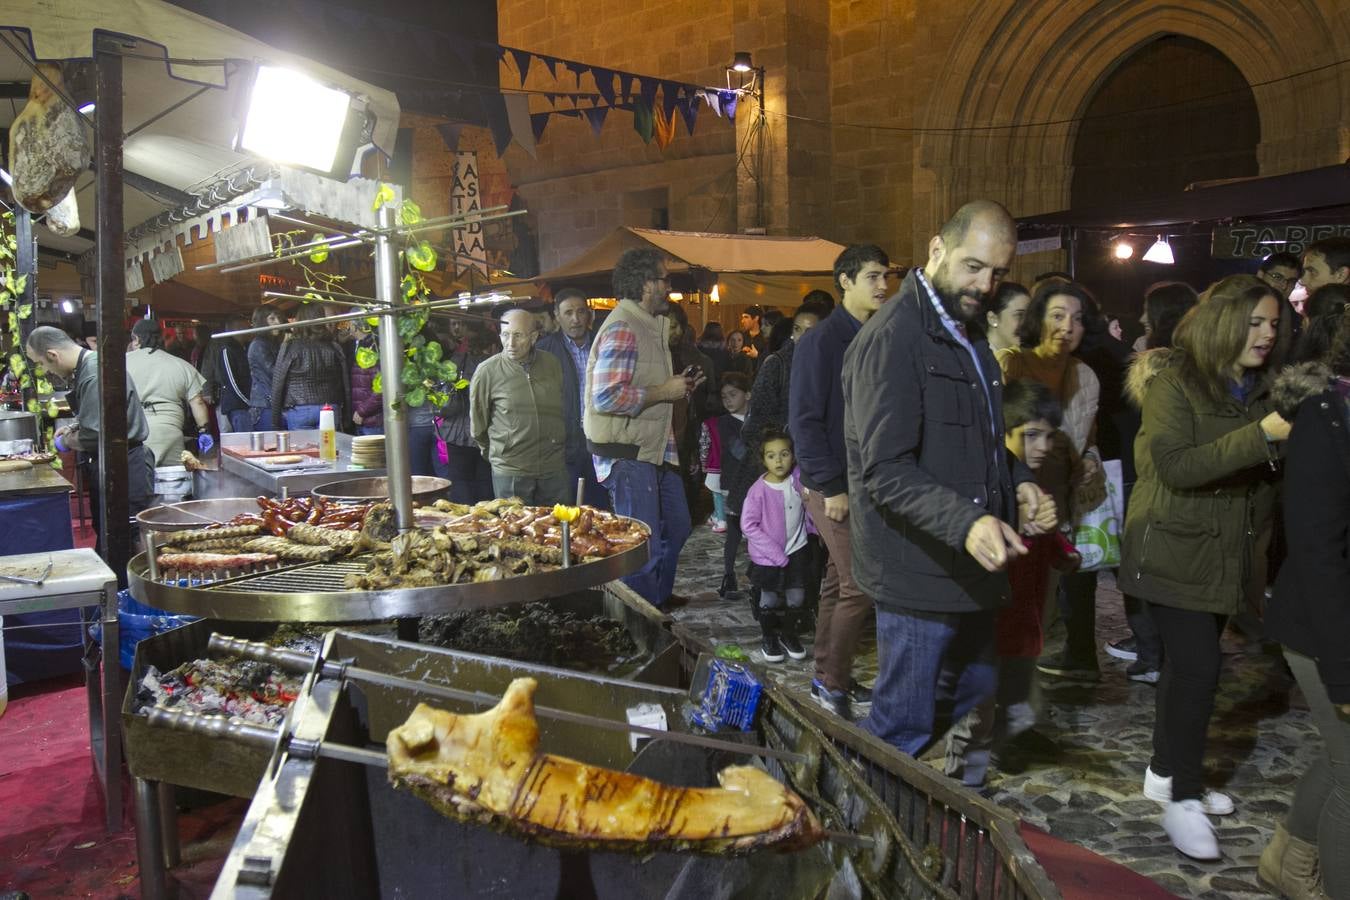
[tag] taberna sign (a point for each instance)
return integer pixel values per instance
(1259, 241)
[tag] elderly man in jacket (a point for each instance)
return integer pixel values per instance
(571, 347)
(516, 415)
(932, 492)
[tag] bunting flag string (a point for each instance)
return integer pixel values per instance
(653, 116)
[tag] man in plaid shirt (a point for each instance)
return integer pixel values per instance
(630, 389)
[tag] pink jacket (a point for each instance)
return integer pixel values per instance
(764, 524)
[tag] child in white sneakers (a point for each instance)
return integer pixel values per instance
(776, 526)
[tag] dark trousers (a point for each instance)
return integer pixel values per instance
(730, 548)
(422, 449)
(1147, 641)
(1190, 678)
(469, 473)
(1078, 607)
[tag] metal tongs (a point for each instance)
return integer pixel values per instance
(32, 582)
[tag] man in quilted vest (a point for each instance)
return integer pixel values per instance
(630, 389)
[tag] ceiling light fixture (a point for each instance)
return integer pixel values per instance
(741, 62)
(1123, 250)
(86, 109)
(1160, 252)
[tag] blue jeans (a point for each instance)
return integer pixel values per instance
(422, 449)
(298, 417)
(934, 668)
(653, 495)
(370, 429)
(259, 419)
(594, 494)
(237, 419)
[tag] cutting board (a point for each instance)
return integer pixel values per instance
(247, 453)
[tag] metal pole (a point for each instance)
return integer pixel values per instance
(396, 457)
(112, 305)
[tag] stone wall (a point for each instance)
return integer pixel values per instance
(882, 116)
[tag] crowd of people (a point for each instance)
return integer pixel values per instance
(916, 457)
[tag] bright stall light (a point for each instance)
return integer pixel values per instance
(716, 295)
(1123, 250)
(293, 119)
(86, 109)
(1160, 252)
(67, 306)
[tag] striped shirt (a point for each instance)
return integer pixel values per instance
(613, 391)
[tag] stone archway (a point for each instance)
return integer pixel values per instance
(1001, 120)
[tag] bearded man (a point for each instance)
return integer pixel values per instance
(932, 493)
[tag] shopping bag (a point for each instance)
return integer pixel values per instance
(1096, 533)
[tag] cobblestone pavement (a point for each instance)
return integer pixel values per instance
(1086, 785)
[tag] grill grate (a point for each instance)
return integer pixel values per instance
(311, 578)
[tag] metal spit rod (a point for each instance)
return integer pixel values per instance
(294, 661)
(266, 736)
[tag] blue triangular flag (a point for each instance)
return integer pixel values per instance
(729, 99)
(604, 83)
(538, 122)
(576, 69)
(552, 65)
(625, 85)
(523, 58)
(670, 95)
(647, 88)
(596, 117)
(688, 108)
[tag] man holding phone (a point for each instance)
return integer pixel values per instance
(630, 389)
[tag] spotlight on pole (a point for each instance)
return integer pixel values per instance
(293, 119)
(1122, 250)
(1160, 252)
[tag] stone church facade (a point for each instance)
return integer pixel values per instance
(882, 116)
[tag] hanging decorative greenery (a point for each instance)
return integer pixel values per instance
(30, 381)
(427, 375)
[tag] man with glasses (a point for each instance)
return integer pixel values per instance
(516, 416)
(630, 392)
(1282, 272)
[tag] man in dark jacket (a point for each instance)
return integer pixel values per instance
(816, 423)
(228, 368)
(931, 490)
(571, 345)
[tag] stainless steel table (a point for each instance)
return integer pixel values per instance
(299, 481)
(78, 579)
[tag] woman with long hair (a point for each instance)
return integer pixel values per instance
(1310, 615)
(1003, 315)
(1164, 306)
(1207, 459)
(1322, 315)
(262, 361)
(738, 358)
(311, 371)
(1051, 331)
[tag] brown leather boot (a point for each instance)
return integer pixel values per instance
(1289, 867)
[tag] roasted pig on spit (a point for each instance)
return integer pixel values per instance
(487, 768)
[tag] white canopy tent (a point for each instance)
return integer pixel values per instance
(185, 79)
(747, 269)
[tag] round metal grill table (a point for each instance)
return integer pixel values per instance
(316, 592)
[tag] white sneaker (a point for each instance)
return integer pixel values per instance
(1158, 788)
(1190, 830)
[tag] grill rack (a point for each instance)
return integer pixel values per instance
(315, 591)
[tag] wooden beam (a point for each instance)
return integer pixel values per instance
(110, 282)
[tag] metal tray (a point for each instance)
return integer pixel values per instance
(314, 592)
(425, 488)
(196, 513)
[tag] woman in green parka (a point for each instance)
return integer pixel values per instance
(1208, 465)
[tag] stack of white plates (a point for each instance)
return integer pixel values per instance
(368, 451)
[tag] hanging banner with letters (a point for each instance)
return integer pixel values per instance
(1257, 241)
(467, 242)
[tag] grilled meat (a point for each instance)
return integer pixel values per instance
(210, 562)
(288, 549)
(320, 536)
(487, 768)
(195, 535)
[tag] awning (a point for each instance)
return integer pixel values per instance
(776, 271)
(171, 55)
(1247, 198)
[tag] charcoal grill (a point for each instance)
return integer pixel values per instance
(396, 846)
